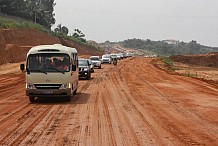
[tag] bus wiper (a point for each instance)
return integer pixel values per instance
(57, 70)
(37, 70)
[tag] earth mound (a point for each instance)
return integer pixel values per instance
(208, 60)
(15, 43)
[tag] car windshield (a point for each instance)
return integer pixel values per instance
(94, 59)
(51, 62)
(83, 63)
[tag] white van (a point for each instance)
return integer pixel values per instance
(51, 71)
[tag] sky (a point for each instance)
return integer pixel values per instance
(118, 20)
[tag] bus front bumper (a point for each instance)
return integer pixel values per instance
(48, 92)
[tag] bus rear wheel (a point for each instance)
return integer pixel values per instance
(69, 98)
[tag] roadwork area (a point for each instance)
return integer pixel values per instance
(133, 103)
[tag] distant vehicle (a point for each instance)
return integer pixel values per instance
(128, 55)
(84, 68)
(96, 61)
(118, 56)
(124, 55)
(91, 66)
(51, 71)
(113, 56)
(114, 59)
(106, 58)
(121, 56)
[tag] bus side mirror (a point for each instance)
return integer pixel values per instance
(73, 67)
(22, 67)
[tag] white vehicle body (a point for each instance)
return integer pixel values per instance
(118, 56)
(96, 61)
(113, 56)
(106, 58)
(46, 76)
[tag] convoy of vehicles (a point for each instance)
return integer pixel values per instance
(51, 70)
(54, 70)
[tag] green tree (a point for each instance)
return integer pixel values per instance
(39, 11)
(65, 30)
(61, 29)
(79, 35)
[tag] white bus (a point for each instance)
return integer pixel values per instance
(51, 71)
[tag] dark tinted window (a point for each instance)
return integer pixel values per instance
(48, 62)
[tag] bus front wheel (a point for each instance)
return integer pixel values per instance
(31, 99)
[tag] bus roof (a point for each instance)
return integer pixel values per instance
(56, 48)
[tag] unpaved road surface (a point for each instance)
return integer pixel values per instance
(132, 103)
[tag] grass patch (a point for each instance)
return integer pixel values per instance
(167, 61)
(174, 68)
(10, 23)
(189, 74)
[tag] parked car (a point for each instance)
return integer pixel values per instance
(96, 61)
(106, 58)
(91, 66)
(84, 68)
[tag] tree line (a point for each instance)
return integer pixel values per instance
(63, 30)
(39, 11)
(163, 48)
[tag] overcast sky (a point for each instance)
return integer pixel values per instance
(117, 20)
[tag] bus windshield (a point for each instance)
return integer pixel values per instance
(52, 62)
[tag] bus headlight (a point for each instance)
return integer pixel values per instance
(30, 86)
(65, 86)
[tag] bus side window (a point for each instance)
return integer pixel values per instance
(72, 58)
(76, 59)
(75, 62)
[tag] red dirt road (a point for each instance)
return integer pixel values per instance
(132, 103)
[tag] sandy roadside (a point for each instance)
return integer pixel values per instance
(10, 68)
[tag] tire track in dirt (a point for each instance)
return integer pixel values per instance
(124, 114)
(51, 126)
(10, 80)
(17, 113)
(32, 126)
(171, 127)
(21, 125)
(87, 131)
(145, 130)
(153, 121)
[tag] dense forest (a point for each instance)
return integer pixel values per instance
(39, 11)
(163, 48)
